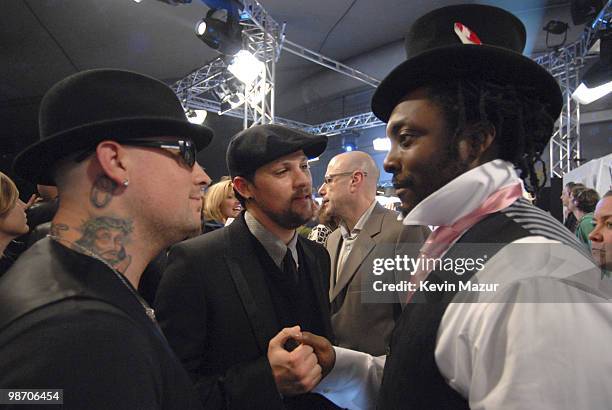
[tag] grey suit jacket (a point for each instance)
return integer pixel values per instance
(358, 326)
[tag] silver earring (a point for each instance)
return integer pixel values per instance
(126, 182)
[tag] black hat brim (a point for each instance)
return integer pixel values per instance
(36, 163)
(462, 61)
(316, 148)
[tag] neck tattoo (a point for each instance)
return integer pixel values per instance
(75, 246)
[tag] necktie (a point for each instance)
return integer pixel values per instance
(441, 239)
(289, 268)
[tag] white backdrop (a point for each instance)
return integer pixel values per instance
(596, 174)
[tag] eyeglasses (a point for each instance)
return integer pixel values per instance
(328, 179)
(186, 149)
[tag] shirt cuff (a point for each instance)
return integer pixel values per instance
(354, 381)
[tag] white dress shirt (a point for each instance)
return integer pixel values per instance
(500, 354)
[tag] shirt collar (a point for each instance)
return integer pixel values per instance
(271, 243)
(463, 194)
(359, 225)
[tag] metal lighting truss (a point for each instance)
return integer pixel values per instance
(355, 122)
(264, 38)
(329, 63)
(200, 88)
(564, 64)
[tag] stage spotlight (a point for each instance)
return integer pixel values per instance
(246, 67)
(349, 142)
(196, 116)
(557, 28)
(220, 31)
(597, 81)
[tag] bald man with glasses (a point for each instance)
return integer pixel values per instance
(367, 232)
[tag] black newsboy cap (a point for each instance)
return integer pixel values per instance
(256, 146)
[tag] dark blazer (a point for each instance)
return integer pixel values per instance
(215, 308)
(357, 325)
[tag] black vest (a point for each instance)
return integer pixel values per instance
(411, 378)
(294, 304)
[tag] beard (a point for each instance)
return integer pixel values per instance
(433, 176)
(288, 218)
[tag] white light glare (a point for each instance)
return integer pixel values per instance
(585, 95)
(382, 144)
(313, 159)
(246, 67)
(137, 1)
(201, 27)
(196, 116)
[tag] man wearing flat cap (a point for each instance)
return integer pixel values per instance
(122, 154)
(235, 303)
(467, 114)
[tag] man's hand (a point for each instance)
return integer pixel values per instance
(324, 350)
(294, 372)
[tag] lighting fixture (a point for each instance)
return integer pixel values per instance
(196, 116)
(220, 31)
(246, 67)
(349, 142)
(557, 28)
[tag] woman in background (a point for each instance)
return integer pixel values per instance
(220, 204)
(584, 201)
(13, 221)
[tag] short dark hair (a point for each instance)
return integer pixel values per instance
(586, 199)
(520, 119)
(607, 194)
(243, 201)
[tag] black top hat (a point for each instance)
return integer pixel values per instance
(261, 144)
(88, 107)
(466, 41)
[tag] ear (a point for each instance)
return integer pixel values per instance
(357, 179)
(476, 146)
(243, 187)
(112, 159)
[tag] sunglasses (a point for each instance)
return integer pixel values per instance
(185, 148)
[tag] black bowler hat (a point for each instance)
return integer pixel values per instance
(91, 106)
(469, 41)
(261, 144)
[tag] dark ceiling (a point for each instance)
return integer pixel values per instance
(42, 41)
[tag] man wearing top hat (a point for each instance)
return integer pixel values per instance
(122, 154)
(468, 117)
(235, 303)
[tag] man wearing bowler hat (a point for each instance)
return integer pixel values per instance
(468, 117)
(122, 154)
(235, 303)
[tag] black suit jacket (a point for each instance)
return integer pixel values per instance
(215, 308)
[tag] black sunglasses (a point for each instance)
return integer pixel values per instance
(186, 149)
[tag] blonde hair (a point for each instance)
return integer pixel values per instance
(215, 196)
(8, 194)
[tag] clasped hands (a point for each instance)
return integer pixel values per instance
(299, 370)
